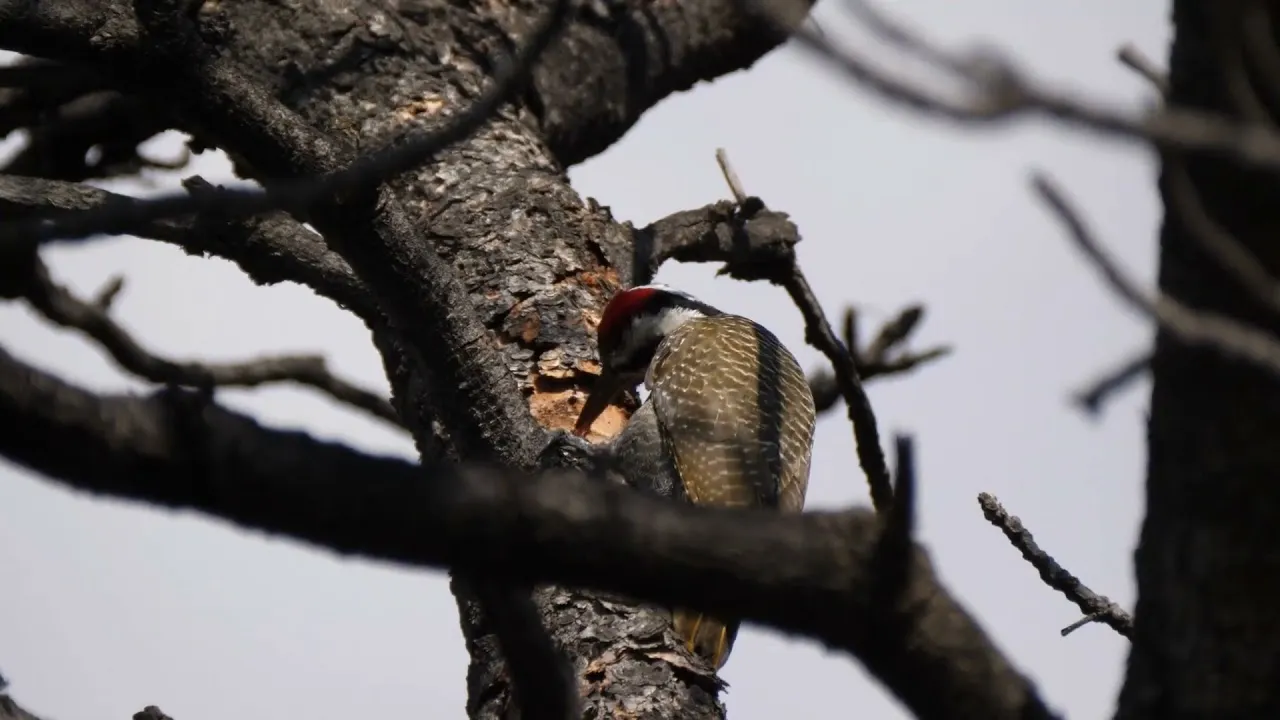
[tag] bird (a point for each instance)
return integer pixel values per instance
(728, 422)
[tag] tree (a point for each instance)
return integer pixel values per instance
(486, 340)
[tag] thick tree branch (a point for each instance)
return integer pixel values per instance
(611, 66)
(814, 574)
(1097, 608)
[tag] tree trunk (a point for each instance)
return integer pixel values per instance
(1208, 561)
(536, 260)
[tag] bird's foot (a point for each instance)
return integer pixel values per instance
(566, 450)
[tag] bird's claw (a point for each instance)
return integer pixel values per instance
(564, 449)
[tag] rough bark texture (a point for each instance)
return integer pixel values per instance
(1208, 562)
(497, 208)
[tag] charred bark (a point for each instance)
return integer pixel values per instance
(1208, 560)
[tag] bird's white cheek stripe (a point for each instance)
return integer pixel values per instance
(646, 328)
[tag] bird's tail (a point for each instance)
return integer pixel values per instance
(705, 636)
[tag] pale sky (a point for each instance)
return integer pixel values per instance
(111, 606)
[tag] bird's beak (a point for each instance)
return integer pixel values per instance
(602, 393)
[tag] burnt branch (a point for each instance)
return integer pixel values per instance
(1097, 608)
(270, 248)
(300, 194)
(60, 306)
(812, 574)
(621, 58)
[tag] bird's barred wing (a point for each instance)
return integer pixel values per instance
(737, 412)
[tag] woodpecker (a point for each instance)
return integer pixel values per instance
(728, 422)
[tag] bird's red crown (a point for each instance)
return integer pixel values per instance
(624, 307)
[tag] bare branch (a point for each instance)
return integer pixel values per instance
(1096, 607)
(1210, 330)
(810, 573)
(107, 294)
(877, 359)
(997, 91)
(62, 307)
(1132, 58)
(270, 248)
(750, 240)
(359, 176)
(1099, 391)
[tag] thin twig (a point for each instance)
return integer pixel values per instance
(995, 91)
(107, 294)
(818, 332)
(1133, 58)
(1096, 607)
(1099, 391)
(730, 177)
(363, 173)
(877, 359)
(1194, 327)
(270, 248)
(62, 307)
